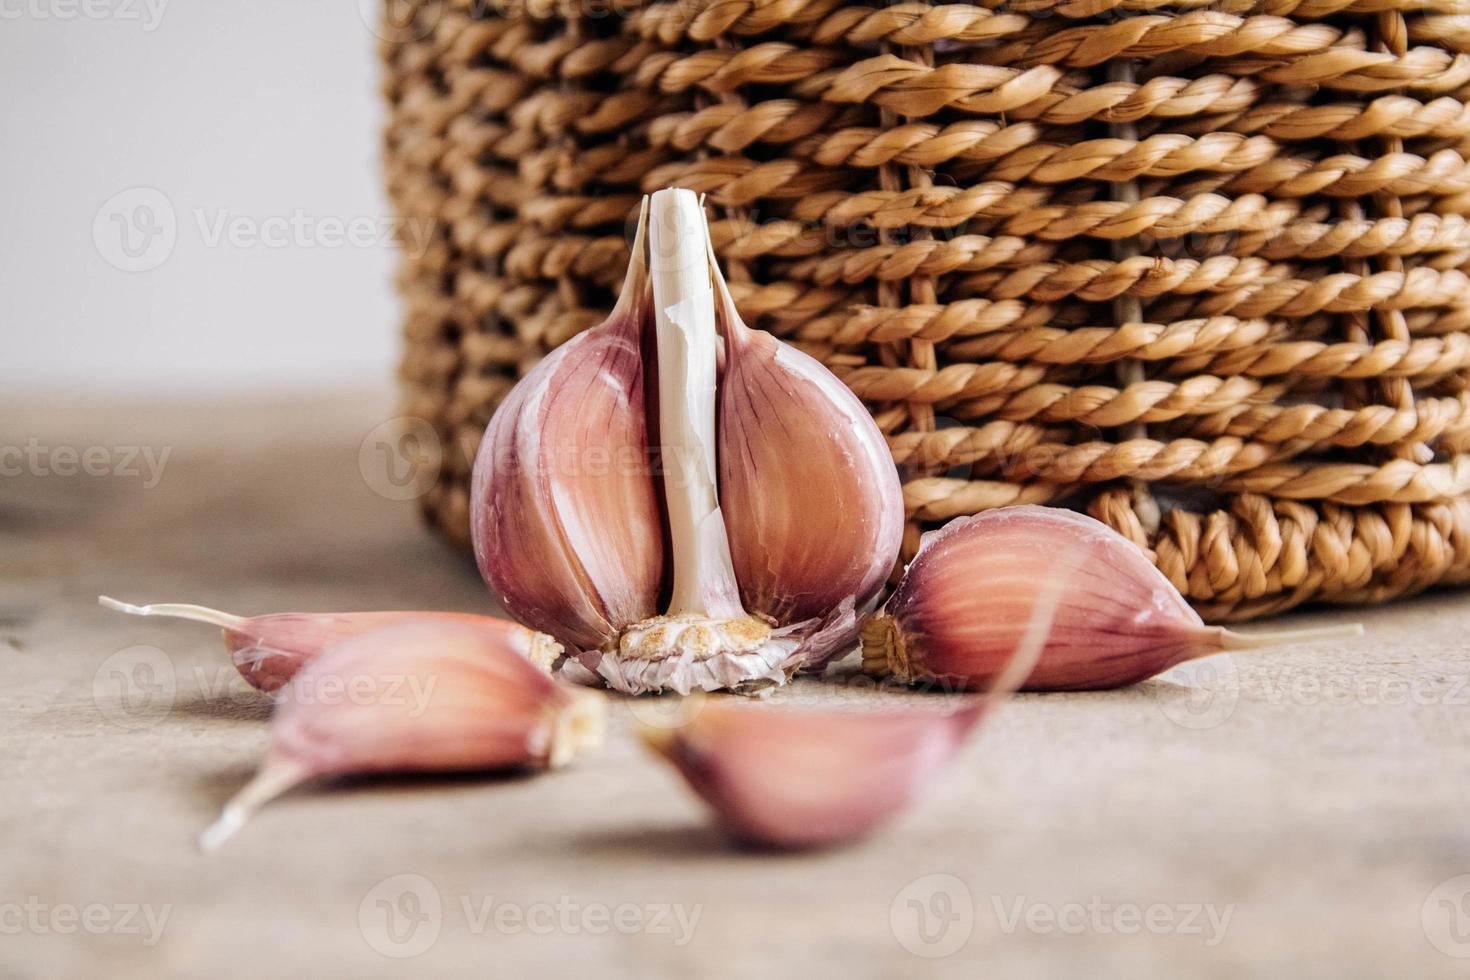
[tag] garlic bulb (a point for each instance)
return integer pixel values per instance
(965, 599)
(811, 777)
(420, 696)
(269, 650)
(758, 511)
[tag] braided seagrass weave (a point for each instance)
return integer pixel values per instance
(1199, 272)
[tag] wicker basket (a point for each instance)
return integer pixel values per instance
(1199, 272)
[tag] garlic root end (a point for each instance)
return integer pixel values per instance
(581, 727)
(543, 651)
(884, 652)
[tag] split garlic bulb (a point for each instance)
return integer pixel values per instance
(966, 599)
(686, 515)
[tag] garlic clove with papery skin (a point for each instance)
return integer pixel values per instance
(421, 696)
(564, 510)
(810, 495)
(807, 777)
(966, 596)
(268, 650)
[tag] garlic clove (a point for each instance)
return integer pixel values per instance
(268, 650)
(565, 513)
(965, 599)
(420, 696)
(810, 494)
(810, 777)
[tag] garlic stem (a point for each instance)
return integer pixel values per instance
(1230, 640)
(177, 610)
(684, 316)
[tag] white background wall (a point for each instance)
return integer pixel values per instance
(255, 119)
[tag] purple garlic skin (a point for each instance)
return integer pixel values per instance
(564, 515)
(419, 696)
(964, 603)
(270, 649)
(795, 778)
(812, 500)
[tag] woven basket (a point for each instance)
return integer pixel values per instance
(1198, 272)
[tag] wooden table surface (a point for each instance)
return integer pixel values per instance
(1295, 813)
